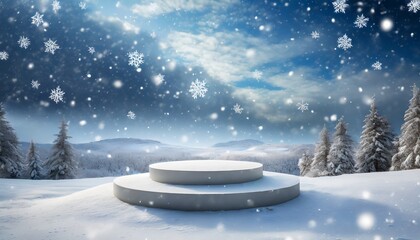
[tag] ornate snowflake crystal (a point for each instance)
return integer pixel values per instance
(361, 21)
(131, 115)
(51, 46)
(158, 79)
(257, 74)
(377, 66)
(344, 42)
(56, 6)
(57, 95)
(302, 106)
(37, 19)
(24, 42)
(35, 84)
(198, 89)
(91, 50)
(135, 59)
(315, 35)
(237, 109)
(340, 6)
(4, 55)
(82, 5)
(414, 6)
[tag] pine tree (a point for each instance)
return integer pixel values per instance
(408, 154)
(34, 162)
(10, 157)
(376, 145)
(61, 164)
(340, 159)
(322, 148)
(305, 164)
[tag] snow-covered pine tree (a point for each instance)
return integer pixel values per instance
(340, 158)
(34, 162)
(304, 164)
(376, 144)
(322, 148)
(408, 154)
(10, 157)
(61, 164)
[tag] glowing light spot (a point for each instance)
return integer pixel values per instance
(82, 123)
(118, 84)
(366, 221)
(387, 25)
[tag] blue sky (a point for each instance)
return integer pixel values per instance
(220, 42)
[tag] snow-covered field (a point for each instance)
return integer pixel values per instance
(373, 206)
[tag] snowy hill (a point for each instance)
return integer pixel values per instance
(241, 144)
(120, 156)
(374, 206)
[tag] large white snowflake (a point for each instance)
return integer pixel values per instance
(414, 6)
(56, 6)
(302, 106)
(340, 6)
(35, 84)
(4, 55)
(361, 21)
(257, 74)
(82, 5)
(37, 19)
(57, 95)
(344, 42)
(51, 46)
(135, 59)
(198, 89)
(91, 50)
(24, 42)
(315, 35)
(237, 109)
(131, 115)
(377, 65)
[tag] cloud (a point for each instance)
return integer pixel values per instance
(231, 56)
(152, 9)
(123, 24)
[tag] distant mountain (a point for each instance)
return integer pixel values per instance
(243, 144)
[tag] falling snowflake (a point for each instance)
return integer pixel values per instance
(414, 6)
(131, 115)
(51, 46)
(56, 6)
(340, 6)
(361, 21)
(4, 55)
(82, 5)
(377, 65)
(237, 109)
(315, 35)
(24, 42)
(91, 50)
(35, 84)
(257, 74)
(158, 79)
(135, 59)
(37, 19)
(57, 95)
(198, 89)
(302, 106)
(344, 42)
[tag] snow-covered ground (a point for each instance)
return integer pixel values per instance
(373, 206)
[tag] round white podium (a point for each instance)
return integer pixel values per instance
(205, 172)
(228, 189)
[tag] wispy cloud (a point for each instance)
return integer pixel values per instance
(231, 56)
(155, 8)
